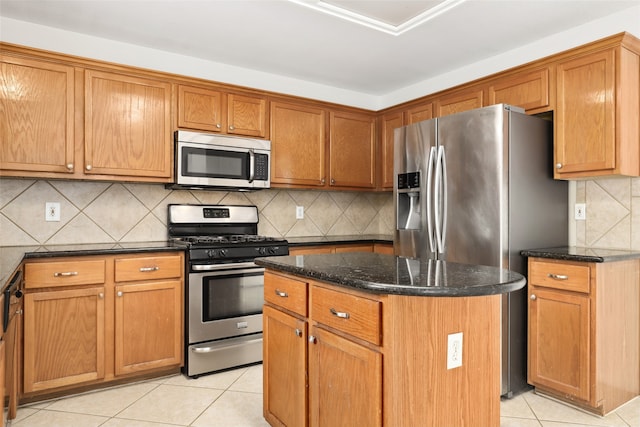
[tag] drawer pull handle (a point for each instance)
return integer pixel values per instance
(339, 314)
(65, 274)
(558, 276)
(298, 332)
(148, 269)
(281, 294)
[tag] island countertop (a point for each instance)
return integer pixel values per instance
(389, 274)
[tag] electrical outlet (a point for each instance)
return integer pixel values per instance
(581, 211)
(52, 211)
(299, 212)
(454, 350)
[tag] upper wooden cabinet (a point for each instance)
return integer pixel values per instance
(37, 115)
(530, 91)
(298, 145)
(127, 126)
(596, 122)
(303, 157)
(352, 150)
(459, 101)
(419, 113)
(388, 124)
(215, 111)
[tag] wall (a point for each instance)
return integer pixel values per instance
(97, 212)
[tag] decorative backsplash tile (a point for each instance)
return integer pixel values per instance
(97, 212)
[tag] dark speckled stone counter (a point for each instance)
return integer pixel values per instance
(12, 256)
(335, 240)
(574, 253)
(388, 274)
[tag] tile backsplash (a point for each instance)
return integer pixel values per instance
(104, 212)
(97, 212)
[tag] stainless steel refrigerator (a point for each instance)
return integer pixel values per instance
(477, 187)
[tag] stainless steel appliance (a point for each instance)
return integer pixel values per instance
(225, 288)
(476, 187)
(205, 160)
(12, 325)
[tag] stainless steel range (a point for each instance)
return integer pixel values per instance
(224, 291)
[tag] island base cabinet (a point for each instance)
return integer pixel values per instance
(345, 381)
(285, 367)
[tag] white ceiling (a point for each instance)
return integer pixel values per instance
(374, 47)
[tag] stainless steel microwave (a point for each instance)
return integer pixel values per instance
(210, 161)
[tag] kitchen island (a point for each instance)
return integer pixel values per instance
(377, 340)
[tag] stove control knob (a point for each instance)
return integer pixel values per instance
(211, 253)
(223, 252)
(262, 251)
(273, 250)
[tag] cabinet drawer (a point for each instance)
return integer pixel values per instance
(560, 275)
(64, 273)
(146, 268)
(348, 313)
(286, 292)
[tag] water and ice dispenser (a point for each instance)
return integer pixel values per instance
(408, 205)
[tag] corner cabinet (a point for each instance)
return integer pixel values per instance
(90, 320)
(216, 111)
(584, 331)
(597, 132)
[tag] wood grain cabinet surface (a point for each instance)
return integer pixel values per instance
(90, 320)
(596, 121)
(217, 111)
(355, 360)
(584, 331)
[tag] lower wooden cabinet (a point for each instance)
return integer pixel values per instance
(86, 322)
(584, 331)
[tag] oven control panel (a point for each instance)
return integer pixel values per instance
(215, 213)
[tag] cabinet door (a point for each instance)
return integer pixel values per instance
(585, 114)
(352, 153)
(459, 101)
(345, 381)
(127, 126)
(559, 341)
(529, 91)
(200, 109)
(298, 145)
(284, 364)
(247, 115)
(390, 122)
(419, 113)
(148, 326)
(64, 338)
(36, 116)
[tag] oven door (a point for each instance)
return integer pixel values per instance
(225, 302)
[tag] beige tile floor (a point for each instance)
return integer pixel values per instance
(234, 399)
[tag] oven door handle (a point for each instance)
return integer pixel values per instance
(218, 347)
(218, 267)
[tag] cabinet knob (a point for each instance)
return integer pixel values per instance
(232, 127)
(533, 297)
(298, 332)
(558, 165)
(333, 181)
(101, 295)
(312, 339)
(88, 167)
(322, 181)
(70, 166)
(218, 125)
(119, 293)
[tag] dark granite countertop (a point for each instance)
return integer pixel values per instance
(574, 253)
(12, 256)
(388, 274)
(332, 240)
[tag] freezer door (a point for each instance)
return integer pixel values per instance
(414, 161)
(476, 190)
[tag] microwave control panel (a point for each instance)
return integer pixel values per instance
(261, 167)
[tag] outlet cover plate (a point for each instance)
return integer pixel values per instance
(454, 350)
(52, 211)
(580, 211)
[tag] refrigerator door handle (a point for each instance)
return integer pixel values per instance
(431, 161)
(440, 199)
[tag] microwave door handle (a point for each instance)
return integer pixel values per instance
(252, 165)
